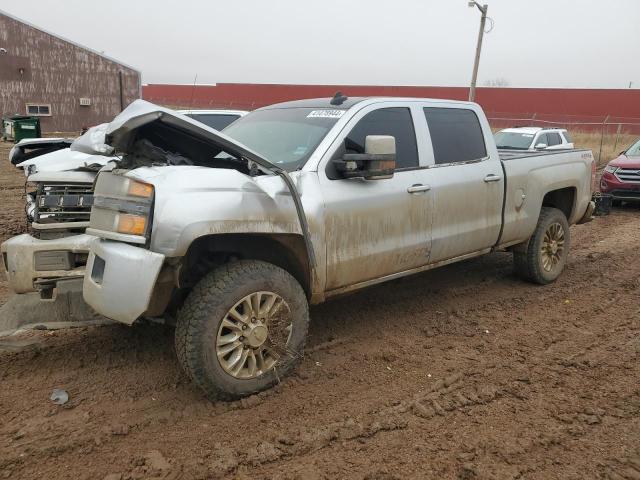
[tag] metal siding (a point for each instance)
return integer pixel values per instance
(60, 74)
(589, 105)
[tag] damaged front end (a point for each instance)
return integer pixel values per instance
(46, 266)
(145, 134)
(124, 273)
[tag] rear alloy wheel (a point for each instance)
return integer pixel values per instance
(543, 257)
(552, 251)
(242, 329)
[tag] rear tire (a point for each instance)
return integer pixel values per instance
(616, 203)
(544, 255)
(242, 329)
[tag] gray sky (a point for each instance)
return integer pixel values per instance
(537, 43)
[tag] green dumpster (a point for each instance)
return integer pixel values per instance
(17, 127)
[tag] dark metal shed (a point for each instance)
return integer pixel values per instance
(67, 85)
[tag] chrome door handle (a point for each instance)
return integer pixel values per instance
(418, 187)
(492, 177)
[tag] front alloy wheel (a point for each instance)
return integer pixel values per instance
(242, 329)
(254, 335)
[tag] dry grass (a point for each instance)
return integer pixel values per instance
(612, 144)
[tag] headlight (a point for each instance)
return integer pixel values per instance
(30, 207)
(139, 189)
(121, 205)
(610, 169)
(131, 224)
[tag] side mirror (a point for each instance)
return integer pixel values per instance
(541, 146)
(377, 163)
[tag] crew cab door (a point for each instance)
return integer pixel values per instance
(376, 228)
(467, 182)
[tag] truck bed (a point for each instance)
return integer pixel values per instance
(527, 183)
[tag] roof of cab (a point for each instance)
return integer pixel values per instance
(531, 129)
(351, 101)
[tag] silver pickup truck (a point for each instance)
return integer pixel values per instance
(60, 175)
(234, 234)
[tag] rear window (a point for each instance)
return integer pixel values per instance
(456, 135)
(215, 121)
(566, 136)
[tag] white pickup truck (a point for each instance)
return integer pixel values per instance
(533, 139)
(234, 234)
(59, 193)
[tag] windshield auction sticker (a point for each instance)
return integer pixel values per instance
(326, 114)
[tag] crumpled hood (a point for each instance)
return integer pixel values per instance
(92, 141)
(173, 132)
(624, 161)
(88, 149)
(62, 160)
(31, 148)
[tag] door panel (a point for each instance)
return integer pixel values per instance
(467, 209)
(376, 227)
(467, 184)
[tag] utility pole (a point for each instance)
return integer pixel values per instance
(483, 20)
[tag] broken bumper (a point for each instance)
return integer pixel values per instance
(33, 264)
(120, 279)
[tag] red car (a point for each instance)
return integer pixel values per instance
(621, 176)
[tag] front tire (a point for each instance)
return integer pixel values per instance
(242, 329)
(544, 256)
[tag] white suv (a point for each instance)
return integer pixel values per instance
(533, 138)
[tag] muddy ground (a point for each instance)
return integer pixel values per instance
(464, 372)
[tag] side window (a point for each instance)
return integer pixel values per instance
(542, 138)
(456, 135)
(387, 121)
(553, 138)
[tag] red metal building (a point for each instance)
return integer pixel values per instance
(531, 105)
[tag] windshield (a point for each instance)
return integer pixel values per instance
(513, 140)
(634, 150)
(285, 136)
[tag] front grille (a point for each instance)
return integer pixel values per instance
(63, 202)
(626, 194)
(630, 175)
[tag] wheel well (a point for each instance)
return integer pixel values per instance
(563, 199)
(286, 251)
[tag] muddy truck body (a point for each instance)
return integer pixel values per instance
(232, 235)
